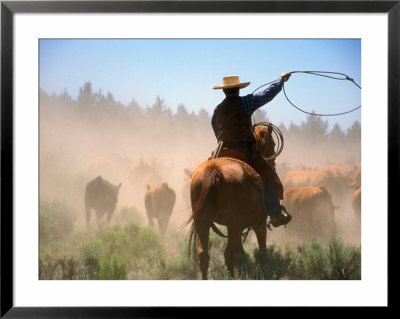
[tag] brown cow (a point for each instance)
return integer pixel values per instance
(284, 166)
(356, 203)
(312, 207)
(352, 170)
(101, 196)
(159, 202)
(153, 180)
(338, 183)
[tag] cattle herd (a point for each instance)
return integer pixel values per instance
(318, 198)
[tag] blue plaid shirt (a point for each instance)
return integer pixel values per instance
(251, 102)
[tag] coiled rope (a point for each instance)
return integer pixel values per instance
(278, 135)
(326, 74)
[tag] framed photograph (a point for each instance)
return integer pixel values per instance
(118, 122)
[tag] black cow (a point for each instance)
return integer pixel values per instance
(101, 196)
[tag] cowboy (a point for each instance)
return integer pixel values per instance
(231, 123)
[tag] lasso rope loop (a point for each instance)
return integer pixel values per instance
(326, 74)
(279, 138)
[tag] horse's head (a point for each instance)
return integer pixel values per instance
(266, 144)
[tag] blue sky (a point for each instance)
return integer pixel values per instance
(183, 71)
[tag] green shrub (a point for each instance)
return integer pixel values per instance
(271, 263)
(133, 252)
(112, 267)
(311, 262)
(267, 264)
(56, 221)
(337, 261)
(345, 260)
(60, 268)
(217, 269)
(118, 253)
(147, 243)
(254, 264)
(91, 254)
(132, 230)
(146, 253)
(129, 214)
(123, 252)
(114, 240)
(179, 267)
(47, 267)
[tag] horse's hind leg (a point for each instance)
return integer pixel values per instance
(203, 232)
(261, 233)
(234, 246)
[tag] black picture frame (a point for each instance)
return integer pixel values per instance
(9, 8)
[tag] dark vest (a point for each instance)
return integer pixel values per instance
(230, 123)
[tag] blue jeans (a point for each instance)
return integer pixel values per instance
(273, 204)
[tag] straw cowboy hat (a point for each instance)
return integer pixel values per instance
(231, 82)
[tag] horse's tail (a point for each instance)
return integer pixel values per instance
(210, 181)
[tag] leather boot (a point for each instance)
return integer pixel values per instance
(282, 218)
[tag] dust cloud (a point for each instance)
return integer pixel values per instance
(80, 140)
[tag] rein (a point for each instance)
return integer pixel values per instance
(326, 74)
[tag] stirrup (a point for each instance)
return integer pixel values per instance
(269, 225)
(284, 209)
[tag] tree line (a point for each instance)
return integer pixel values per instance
(311, 136)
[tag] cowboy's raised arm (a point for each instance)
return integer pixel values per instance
(251, 102)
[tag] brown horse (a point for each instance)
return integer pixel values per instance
(229, 192)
